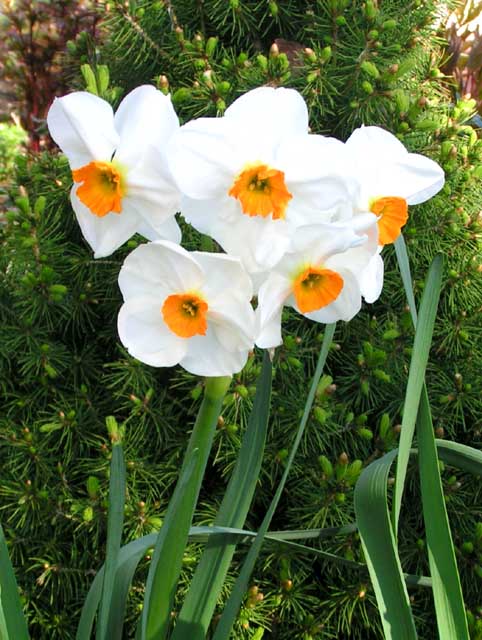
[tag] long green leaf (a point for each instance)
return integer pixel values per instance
(208, 579)
(9, 597)
(115, 522)
(416, 378)
(231, 609)
(460, 456)
(172, 539)
(447, 591)
(380, 548)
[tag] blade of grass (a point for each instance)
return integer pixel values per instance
(172, 539)
(9, 597)
(447, 590)
(231, 609)
(380, 548)
(115, 522)
(200, 602)
(416, 378)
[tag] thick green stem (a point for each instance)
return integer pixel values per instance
(168, 554)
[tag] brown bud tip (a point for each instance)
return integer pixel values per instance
(439, 432)
(362, 593)
(274, 50)
(253, 591)
(287, 585)
(393, 68)
(423, 102)
(397, 428)
(343, 458)
(220, 422)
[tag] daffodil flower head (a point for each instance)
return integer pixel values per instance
(122, 184)
(187, 308)
(390, 178)
(251, 177)
(321, 276)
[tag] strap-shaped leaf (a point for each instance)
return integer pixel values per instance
(231, 609)
(12, 618)
(172, 539)
(208, 579)
(416, 378)
(447, 591)
(380, 548)
(115, 522)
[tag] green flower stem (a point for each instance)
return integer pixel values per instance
(166, 563)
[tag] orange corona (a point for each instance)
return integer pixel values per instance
(262, 191)
(185, 314)
(394, 214)
(315, 288)
(102, 187)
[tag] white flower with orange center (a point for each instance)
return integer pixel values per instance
(122, 184)
(251, 177)
(191, 308)
(390, 178)
(320, 277)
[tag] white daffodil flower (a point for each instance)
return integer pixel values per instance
(320, 276)
(188, 308)
(389, 178)
(251, 177)
(122, 184)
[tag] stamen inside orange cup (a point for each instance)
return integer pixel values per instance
(262, 191)
(102, 187)
(315, 288)
(394, 214)
(185, 314)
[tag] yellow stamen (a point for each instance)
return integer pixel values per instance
(185, 314)
(315, 288)
(394, 214)
(102, 187)
(262, 191)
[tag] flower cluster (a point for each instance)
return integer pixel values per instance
(302, 218)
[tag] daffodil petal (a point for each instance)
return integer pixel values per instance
(145, 117)
(83, 127)
(206, 356)
(224, 273)
(415, 178)
(159, 265)
(145, 335)
(269, 111)
(203, 157)
(371, 279)
(272, 296)
(104, 234)
(166, 230)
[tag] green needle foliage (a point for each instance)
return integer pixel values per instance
(63, 370)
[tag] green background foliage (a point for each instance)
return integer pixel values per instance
(63, 370)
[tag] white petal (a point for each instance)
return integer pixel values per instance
(145, 117)
(233, 323)
(203, 158)
(272, 296)
(374, 145)
(83, 126)
(107, 233)
(167, 230)
(206, 356)
(414, 177)
(272, 112)
(143, 332)
(225, 275)
(159, 266)
(258, 242)
(345, 307)
(371, 279)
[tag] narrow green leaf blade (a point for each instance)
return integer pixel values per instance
(447, 592)
(231, 609)
(200, 602)
(460, 456)
(380, 548)
(416, 378)
(9, 597)
(166, 562)
(115, 522)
